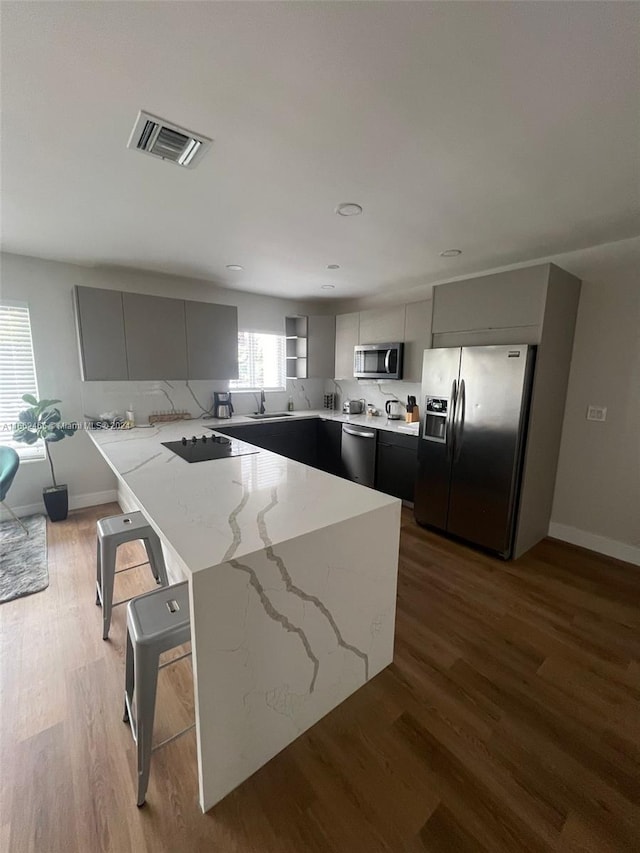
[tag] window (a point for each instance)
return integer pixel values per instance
(17, 374)
(261, 362)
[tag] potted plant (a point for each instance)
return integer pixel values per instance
(43, 421)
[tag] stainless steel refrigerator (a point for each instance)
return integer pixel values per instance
(472, 438)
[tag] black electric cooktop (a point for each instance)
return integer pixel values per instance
(205, 448)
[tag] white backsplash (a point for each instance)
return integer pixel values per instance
(371, 390)
(145, 398)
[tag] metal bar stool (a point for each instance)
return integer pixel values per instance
(156, 622)
(113, 532)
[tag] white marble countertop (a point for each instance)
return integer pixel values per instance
(380, 422)
(209, 512)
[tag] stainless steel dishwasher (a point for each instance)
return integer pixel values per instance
(359, 454)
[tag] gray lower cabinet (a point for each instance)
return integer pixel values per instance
(295, 439)
(212, 340)
(156, 338)
(397, 464)
(329, 436)
(101, 339)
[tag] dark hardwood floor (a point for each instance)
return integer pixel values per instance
(509, 721)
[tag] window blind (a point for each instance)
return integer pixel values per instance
(261, 362)
(17, 374)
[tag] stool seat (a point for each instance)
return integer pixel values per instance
(123, 525)
(161, 617)
(156, 622)
(113, 531)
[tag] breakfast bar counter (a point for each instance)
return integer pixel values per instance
(292, 581)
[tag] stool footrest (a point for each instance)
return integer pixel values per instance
(175, 660)
(128, 568)
(173, 737)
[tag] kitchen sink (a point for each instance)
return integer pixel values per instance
(268, 415)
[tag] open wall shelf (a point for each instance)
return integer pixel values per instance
(296, 332)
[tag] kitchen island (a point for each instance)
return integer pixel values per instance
(292, 580)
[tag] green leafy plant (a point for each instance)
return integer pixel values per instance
(42, 421)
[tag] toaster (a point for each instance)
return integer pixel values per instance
(353, 407)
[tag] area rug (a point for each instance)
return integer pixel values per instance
(23, 559)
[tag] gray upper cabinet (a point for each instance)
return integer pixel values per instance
(347, 326)
(417, 338)
(101, 339)
(502, 308)
(156, 337)
(321, 344)
(212, 340)
(382, 325)
(134, 336)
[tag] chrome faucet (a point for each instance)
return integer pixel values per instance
(262, 402)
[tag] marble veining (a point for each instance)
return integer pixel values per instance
(140, 464)
(274, 614)
(291, 587)
(235, 527)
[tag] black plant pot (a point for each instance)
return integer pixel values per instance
(56, 500)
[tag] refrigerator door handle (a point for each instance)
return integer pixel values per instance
(451, 418)
(462, 400)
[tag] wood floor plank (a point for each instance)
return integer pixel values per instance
(509, 721)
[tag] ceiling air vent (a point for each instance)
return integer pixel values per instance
(160, 138)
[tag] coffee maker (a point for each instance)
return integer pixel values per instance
(222, 406)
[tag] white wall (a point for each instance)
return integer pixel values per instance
(597, 496)
(47, 287)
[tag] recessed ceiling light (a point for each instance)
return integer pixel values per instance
(450, 253)
(349, 208)
(333, 266)
(328, 286)
(235, 267)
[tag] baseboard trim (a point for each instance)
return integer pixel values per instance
(75, 502)
(610, 547)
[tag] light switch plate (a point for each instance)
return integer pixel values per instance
(596, 413)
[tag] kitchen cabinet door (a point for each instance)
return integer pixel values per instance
(330, 447)
(100, 328)
(396, 466)
(321, 344)
(417, 338)
(382, 325)
(155, 336)
(212, 340)
(347, 326)
(511, 301)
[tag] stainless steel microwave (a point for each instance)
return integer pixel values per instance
(378, 361)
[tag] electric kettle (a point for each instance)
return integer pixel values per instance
(393, 408)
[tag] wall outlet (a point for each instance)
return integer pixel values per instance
(596, 413)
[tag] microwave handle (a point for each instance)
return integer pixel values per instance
(387, 361)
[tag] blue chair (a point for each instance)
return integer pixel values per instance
(9, 464)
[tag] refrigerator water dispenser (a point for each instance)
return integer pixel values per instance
(435, 423)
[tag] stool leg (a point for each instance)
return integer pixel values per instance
(107, 573)
(98, 574)
(146, 682)
(156, 558)
(128, 677)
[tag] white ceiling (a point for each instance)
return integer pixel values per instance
(508, 130)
